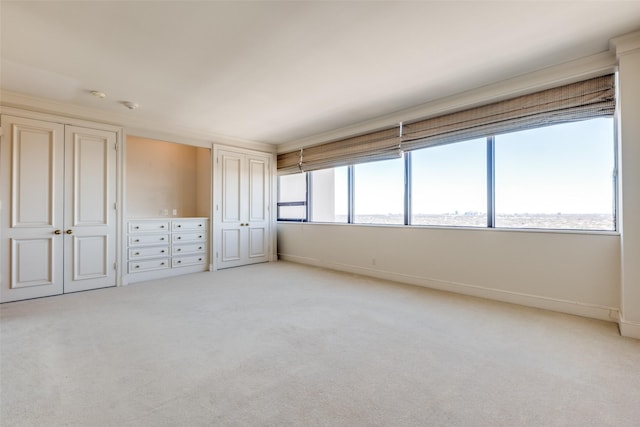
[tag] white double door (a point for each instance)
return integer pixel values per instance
(242, 224)
(58, 214)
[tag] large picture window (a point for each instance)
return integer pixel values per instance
(379, 192)
(329, 195)
(558, 177)
(449, 184)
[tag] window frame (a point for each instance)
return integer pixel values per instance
(304, 203)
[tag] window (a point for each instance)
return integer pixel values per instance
(329, 195)
(379, 192)
(449, 184)
(292, 197)
(558, 177)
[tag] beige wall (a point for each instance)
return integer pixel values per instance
(163, 176)
(568, 272)
(203, 182)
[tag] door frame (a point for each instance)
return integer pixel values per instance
(217, 200)
(120, 137)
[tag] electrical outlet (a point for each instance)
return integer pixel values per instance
(164, 212)
(175, 212)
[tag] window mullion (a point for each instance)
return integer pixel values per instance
(491, 182)
(351, 193)
(308, 196)
(407, 188)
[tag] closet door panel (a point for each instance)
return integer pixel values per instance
(26, 273)
(257, 189)
(231, 244)
(231, 188)
(257, 244)
(31, 170)
(257, 195)
(90, 214)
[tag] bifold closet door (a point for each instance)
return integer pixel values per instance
(242, 225)
(32, 170)
(58, 222)
(90, 215)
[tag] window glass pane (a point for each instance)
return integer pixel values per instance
(379, 192)
(292, 188)
(557, 177)
(292, 212)
(449, 184)
(329, 195)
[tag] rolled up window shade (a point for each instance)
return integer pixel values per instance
(379, 145)
(577, 101)
(289, 163)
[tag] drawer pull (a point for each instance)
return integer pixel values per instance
(137, 266)
(199, 237)
(137, 240)
(179, 226)
(162, 226)
(137, 253)
(162, 251)
(162, 238)
(199, 225)
(179, 238)
(199, 247)
(137, 227)
(179, 262)
(178, 250)
(199, 259)
(162, 263)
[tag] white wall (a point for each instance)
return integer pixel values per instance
(569, 272)
(628, 52)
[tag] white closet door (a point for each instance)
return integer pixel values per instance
(32, 176)
(241, 218)
(257, 224)
(90, 214)
(232, 236)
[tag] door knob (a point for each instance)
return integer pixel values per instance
(57, 232)
(69, 231)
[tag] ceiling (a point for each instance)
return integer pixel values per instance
(277, 72)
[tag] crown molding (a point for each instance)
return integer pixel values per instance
(132, 125)
(565, 73)
(626, 44)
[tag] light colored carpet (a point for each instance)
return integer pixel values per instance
(284, 344)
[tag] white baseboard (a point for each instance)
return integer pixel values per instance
(629, 329)
(593, 311)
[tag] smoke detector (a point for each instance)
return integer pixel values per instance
(130, 105)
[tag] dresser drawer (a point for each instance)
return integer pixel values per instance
(152, 264)
(191, 248)
(148, 226)
(189, 225)
(189, 237)
(184, 261)
(148, 239)
(148, 252)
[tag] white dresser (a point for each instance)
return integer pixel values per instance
(166, 247)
